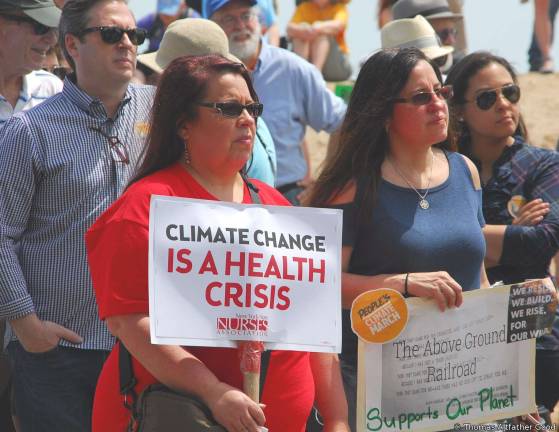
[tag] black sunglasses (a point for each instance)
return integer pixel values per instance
(234, 109)
(445, 33)
(487, 98)
(424, 98)
(38, 28)
(112, 34)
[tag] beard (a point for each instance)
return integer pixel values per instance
(246, 49)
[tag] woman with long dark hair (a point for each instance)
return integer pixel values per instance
(412, 209)
(520, 187)
(202, 132)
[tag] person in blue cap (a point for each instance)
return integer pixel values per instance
(167, 12)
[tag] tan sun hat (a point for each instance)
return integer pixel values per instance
(188, 36)
(413, 33)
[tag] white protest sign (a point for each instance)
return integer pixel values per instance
(471, 364)
(222, 272)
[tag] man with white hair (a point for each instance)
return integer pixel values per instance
(292, 90)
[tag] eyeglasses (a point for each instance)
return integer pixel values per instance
(59, 71)
(424, 98)
(234, 109)
(38, 28)
(447, 32)
(119, 152)
(112, 34)
(487, 98)
(231, 20)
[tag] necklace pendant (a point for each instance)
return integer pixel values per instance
(424, 204)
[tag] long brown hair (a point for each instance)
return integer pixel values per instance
(363, 142)
(459, 77)
(182, 86)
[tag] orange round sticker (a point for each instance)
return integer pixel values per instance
(379, 316)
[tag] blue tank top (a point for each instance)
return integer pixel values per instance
(401, 237)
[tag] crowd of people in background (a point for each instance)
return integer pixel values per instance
(430, 142)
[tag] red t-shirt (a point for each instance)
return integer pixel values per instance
(117, 246)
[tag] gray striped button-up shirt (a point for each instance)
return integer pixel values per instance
(57, 175)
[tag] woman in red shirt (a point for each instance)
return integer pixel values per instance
(202, 132)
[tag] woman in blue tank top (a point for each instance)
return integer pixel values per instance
(412, 210)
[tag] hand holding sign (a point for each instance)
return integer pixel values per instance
(439, 286)
(234, 410)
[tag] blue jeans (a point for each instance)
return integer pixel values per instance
(53, 391)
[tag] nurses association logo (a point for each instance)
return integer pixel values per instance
(242, 325)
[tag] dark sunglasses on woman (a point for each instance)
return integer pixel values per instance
(235, 109)
(487, 98)
(423, 98)
(38, 28)
(113, 34)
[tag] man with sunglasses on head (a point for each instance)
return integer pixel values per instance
(292, 90)
(28, 30)
(61, 165)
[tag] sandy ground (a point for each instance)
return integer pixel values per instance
(539, 105)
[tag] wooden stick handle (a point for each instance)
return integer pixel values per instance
(251, 385)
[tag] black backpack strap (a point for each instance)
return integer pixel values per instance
(253, 190)
(127, 379)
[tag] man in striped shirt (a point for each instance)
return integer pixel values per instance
(62, 164)
(27, 32)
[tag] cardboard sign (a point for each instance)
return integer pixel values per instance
(472, 364)
(223, 272)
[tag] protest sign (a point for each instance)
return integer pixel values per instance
(471, 364)
(223, 272)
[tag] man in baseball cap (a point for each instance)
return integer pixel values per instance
(27, 33)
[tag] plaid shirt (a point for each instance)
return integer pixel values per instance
(57, 175)
(533, 173)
